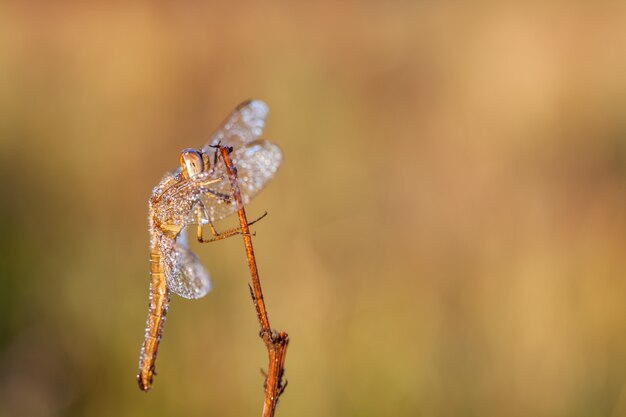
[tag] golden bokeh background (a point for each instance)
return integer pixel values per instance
(446, 236)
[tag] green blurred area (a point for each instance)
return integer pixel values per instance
(446, 237)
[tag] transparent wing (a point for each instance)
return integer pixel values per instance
(244, 125)
(256, 163)
(184, 273)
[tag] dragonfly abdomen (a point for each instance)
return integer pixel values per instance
(159, 301)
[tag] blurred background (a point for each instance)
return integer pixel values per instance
(446, 236)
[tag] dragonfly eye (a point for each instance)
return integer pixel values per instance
(191, 162)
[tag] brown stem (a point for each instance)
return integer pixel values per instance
(276, 343)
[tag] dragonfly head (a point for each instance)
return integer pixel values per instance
(193, 162)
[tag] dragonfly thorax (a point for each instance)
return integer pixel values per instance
(193, 162)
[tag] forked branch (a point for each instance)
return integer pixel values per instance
(276, 343)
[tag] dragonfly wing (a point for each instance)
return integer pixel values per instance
(187, 277)
(256, 163)
(244, 125)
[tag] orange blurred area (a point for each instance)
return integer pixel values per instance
(446, 236)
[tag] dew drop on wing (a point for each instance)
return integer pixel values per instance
(185, 274)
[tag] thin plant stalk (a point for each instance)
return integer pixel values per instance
(276, 343)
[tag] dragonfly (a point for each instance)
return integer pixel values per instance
(198, 194)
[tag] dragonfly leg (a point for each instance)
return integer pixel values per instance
(214, 232)
(226, 234)
(203, 211)
(220, 196)
(182, 187)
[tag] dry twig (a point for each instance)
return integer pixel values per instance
(276, 343)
